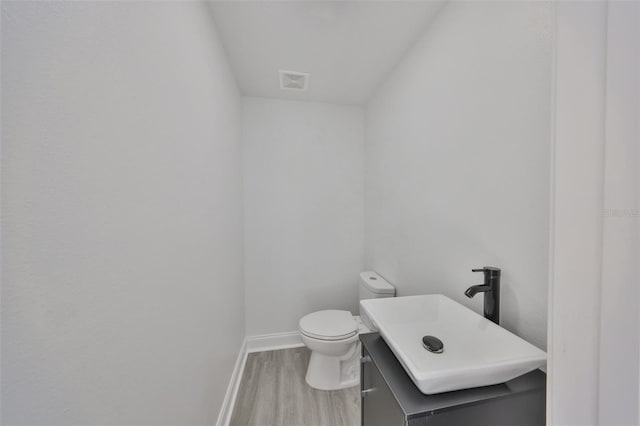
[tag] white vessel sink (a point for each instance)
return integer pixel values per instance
(476, 351)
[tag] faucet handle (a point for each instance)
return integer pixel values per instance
(488, 271)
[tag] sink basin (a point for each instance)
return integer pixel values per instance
(476, 352)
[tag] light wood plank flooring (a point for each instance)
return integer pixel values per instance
(273, 392)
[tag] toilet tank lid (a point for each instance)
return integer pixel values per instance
(375, 283)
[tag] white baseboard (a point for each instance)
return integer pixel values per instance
(224, 417)
(265, 342)
(270, 342)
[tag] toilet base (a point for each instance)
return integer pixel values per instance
(334, 373)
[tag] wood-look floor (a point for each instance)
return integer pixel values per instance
(273, 392)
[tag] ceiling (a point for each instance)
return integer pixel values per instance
(348, 47)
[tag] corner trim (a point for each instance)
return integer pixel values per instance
(226, 410)
(264, 342)
(270, 342)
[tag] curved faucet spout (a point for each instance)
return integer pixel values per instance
(475, 289)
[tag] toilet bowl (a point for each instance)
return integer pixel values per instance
(332, 337)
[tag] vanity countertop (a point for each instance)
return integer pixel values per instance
(416, 404)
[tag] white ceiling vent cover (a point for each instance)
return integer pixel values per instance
(293, 80)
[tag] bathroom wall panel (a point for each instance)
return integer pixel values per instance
(122, 279)
(457, 160)
(303, 189)
(594, 294)
(619, 387)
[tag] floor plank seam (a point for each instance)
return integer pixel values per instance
(273, 391)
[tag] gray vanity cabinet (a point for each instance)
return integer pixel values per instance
(389, 397)
(378, 402)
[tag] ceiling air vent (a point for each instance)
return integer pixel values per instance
(293, 80)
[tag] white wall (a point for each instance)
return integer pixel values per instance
(303, 189)
(457, 160)
(593, 323)
(577, 214)
(620, 306)
(122, 297)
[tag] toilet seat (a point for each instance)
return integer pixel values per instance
(330, 325)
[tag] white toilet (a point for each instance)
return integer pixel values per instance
(332, 337)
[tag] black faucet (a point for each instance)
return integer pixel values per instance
(491, 290)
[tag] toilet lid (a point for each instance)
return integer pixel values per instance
(329, 325)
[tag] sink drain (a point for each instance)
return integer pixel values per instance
(433, 344)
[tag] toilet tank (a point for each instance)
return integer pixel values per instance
(373, 286)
